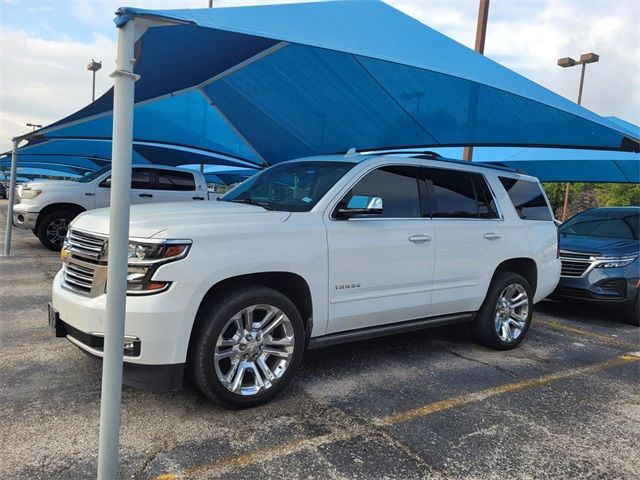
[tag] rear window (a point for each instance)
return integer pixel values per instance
(528, 199)
(459, 194)
(181, 181)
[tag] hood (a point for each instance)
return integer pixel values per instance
(39, 185)
(602, 246)
(181, 219)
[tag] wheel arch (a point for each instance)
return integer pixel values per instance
(292, 285)
(72, 207)
(524, 266)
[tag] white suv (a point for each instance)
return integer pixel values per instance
(309, 253)
(47, 207)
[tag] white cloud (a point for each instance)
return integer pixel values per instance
(42, 81)
(45, 80)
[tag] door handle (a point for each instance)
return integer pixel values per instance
(90, 194)
(491, 236)
(145, 195)
(420, 238)
(197, 198)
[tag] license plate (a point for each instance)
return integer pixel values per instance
(53, 317)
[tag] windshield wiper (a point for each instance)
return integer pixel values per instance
(250, 201)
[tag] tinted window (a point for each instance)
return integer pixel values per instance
(486, 202)
(170, 180)
(453, 192)
(398, 188)
(622, 224)
(90, 177)
(141, 178)
(528, 199)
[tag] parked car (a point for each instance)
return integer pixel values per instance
(3, 191)
(310, 253)
(600, 249)
(47, 207)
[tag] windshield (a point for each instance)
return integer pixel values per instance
(603, 223)
(291, 186)
(90, 177)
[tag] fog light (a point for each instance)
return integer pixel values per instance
(131, 347)
(20, 218)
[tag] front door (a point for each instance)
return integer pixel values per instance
(381, 268)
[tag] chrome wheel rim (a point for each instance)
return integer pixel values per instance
(254, 349)
(57, 230)
(512, 311)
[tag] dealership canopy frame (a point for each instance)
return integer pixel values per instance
(269, 83)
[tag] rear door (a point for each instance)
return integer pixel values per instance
(176, 186)
(381, 268)
(469, 229)
(142, 181)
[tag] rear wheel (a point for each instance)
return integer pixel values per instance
(246, 347)
(53, 227)
(505, 315)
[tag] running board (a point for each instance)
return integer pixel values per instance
(390, 329)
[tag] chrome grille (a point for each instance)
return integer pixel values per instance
(85, 244)
(84, 269)
(575, 264)
(78, 277)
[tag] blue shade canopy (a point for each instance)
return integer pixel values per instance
(265, 84)
(560, 165)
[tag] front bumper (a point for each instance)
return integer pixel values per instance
(161, 324)
(147, 377)
(607, 286)
(23, 218)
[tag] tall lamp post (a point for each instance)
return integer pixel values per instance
(481, 34)
(94, 67)
(570, 62)
(34, 125)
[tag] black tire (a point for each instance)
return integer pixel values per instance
(633, 318)
(212, 323)
(484, 327)
(48, 223)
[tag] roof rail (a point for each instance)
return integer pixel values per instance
(410, 153)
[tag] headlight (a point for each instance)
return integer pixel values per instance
(614, 262)
(29, 194)
(145, 257)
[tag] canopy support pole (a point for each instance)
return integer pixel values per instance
(481, 35)
(118, 243)
(12, 195)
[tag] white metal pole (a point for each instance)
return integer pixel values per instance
(123, 98)
(12, 194)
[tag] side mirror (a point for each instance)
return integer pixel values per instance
(361, 206)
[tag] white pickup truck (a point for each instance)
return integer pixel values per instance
(47, 207)
(309, 253)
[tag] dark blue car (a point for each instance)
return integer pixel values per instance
(599, 249)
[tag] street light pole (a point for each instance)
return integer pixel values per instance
(34, 125)
(94, 67)
(570, 62)
(481, 34)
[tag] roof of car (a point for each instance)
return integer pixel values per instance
(356, 157)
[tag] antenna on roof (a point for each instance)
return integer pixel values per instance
(351, 151)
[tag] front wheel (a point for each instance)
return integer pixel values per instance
(505, 315)
(53, 228)
(246, 347)
(634, 313)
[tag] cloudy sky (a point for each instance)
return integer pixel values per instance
(46, 44)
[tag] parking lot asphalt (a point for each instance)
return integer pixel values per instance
(433, 404)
